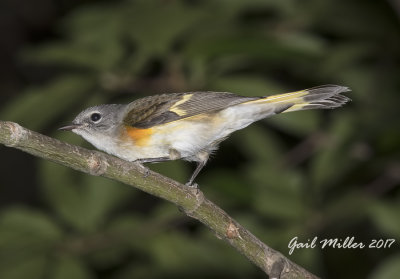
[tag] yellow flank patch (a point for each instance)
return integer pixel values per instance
(287, 97)
(139, 136)
(178, 111)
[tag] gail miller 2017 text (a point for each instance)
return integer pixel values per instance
(346, 243)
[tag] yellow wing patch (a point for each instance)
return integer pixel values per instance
(175, 108)
(140, 137)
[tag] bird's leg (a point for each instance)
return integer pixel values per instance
(153, 160)
(150, 160)
(202, 158)
(200, 165)
(173, 155)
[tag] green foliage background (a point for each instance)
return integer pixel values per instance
(315, 173)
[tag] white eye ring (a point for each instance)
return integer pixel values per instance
(95, 117)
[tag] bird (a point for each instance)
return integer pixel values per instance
(190, 125)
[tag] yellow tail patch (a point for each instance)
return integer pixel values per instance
(295, 101)
(292, 97)
(296, 107)
(320, 97)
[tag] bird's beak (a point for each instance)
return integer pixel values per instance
(69, 127)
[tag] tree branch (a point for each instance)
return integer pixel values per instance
(192, 201)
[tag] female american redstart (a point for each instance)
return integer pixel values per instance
(188, 126)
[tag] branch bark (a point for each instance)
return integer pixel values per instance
(192, 201)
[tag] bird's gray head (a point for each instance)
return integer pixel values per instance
(98, 121)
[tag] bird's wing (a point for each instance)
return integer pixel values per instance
(160, 109)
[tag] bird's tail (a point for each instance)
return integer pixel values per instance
(320, 97)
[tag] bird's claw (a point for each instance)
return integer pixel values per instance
(192, 185)
(146, 171)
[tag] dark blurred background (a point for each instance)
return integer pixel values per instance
(329, 174)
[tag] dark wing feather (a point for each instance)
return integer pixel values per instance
(161, 109)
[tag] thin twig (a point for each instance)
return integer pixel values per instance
(192, 201)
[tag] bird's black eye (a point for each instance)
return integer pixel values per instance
(95, 117)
